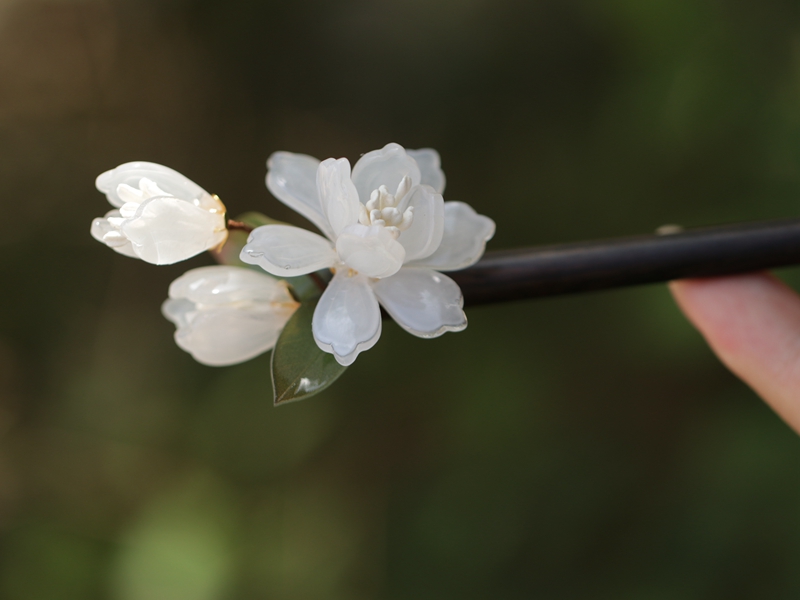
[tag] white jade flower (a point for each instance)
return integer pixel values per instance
(227, 315)
(389, 233)
(160, 216)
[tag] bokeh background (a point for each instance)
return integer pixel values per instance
(578, 447)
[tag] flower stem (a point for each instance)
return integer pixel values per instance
(239, 226)
(569, 268)
(318, 281)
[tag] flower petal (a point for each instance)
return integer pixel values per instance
(101, 227)
(287, 251)
(222, 284)
(178, 310)
(347, 319)
(226, 335)
(370, 250)
(430, 167)
(386, 166)
(104, 231)
(422, 301)
(337, 194)
(169, 180)
(464, 240)
(425, 234)
(292, 179)
(167, 230)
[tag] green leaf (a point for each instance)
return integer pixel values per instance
(257, 219)
(299, 368)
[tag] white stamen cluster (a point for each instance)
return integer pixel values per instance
(382, 209)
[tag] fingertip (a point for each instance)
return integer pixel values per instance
(752, 323)
(726, 309)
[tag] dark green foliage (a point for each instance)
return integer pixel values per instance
(299, 368)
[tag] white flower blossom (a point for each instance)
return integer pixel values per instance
(389, 234)
(227, 315)
(160, 216)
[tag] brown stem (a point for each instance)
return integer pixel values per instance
(239, 226)
(318, 281)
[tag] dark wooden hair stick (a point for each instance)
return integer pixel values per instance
(579, 267)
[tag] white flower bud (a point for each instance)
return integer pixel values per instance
(227, 315)
(161, 216)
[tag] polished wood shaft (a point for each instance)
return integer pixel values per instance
(579, 267)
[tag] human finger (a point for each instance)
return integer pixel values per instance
(752, 323)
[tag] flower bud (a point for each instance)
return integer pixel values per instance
(227, 315)
(160, 216)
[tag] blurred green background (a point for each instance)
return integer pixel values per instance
(579, 447)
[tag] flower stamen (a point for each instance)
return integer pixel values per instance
(381, 208)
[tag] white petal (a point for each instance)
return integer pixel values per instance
(347, 319)
(337, 194)
(370, 250)
(430, 167)
(179, 311)
(220, 284)
(104, 230)
(464, 240)
(169, 180)
(386, 166)
(227, 335)
(168, 230)
(130, 195)
(292, 179)
(128, 210)
(287, 251)
(125, 250)
(422, 301)
(425, 234)
(101, 226)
